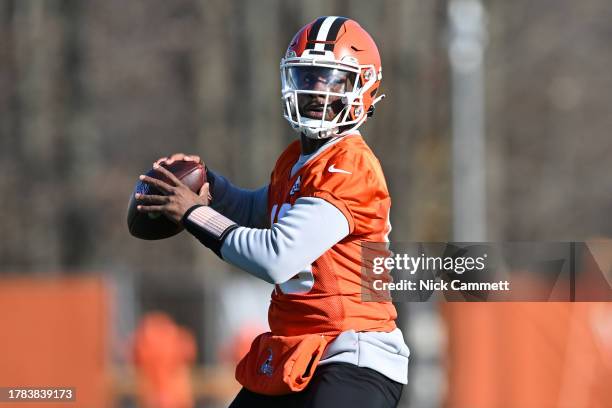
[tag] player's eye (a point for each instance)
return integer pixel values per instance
(309, 78)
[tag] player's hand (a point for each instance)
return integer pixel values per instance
(179, 157)
(177, 198)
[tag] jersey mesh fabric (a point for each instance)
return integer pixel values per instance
(348, 176)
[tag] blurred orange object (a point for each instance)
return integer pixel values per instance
(163, 355)
(541, 355)
(239, 344)
(544, 355)
(55, 334)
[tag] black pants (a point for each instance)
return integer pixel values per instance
(334, 385)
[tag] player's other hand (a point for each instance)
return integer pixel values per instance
(179, 157)
(177, 198)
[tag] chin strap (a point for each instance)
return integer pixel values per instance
(319, 134)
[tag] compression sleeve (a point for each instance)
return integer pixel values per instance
(245, 207)
(302, 235)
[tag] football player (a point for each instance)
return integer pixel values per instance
(304, 233)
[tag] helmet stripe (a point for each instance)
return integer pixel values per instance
(323, 31)
(314, 31)
(333, 32)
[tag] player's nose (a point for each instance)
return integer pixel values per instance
(319, 98)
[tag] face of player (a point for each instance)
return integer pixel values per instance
(320, 80)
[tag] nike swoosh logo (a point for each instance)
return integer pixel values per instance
(333, 169)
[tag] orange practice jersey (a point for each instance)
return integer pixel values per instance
(327, 298)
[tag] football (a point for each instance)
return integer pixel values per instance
(152, 226)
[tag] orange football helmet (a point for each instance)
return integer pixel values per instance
(330, 76)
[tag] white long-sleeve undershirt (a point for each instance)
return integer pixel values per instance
(302, 235)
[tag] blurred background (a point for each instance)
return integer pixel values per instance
(496, 126)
